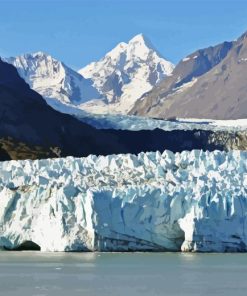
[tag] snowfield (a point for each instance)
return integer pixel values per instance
(189, 201)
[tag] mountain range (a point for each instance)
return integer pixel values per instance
(30, 128)
(111, 85)
(135, 79)
(209, 83)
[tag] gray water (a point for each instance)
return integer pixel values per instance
(128, 274)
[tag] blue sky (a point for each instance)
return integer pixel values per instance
(80, 31)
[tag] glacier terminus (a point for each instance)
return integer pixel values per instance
(191, 201)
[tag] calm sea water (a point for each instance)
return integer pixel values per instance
(128, 274)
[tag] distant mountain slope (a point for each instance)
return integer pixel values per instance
(55, 81)
(29, 128)
(125, 74)
(26, 118)
(209, 83)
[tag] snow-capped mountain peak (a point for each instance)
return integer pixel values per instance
(116, 51)
(138, 38)
(141, 40)
(139, 46)
(38, 54)
(55, 81)
(110, 85)
(124, 74)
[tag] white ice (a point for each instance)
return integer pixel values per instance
(189, 201)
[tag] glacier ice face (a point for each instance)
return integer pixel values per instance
(189, 201)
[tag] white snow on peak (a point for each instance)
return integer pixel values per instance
(189, 201)
(125, 74)
(139, 47)
(53, 79)
(114, 53)
(140, 38)
(38, 53)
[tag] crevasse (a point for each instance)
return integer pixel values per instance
(189, 201)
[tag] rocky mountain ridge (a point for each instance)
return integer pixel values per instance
(209, 83)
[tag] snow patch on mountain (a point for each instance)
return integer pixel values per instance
(189, 201)
(184, 86)
(125, 74)
(186, 59)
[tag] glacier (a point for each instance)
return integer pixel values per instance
(192, 201)
(137, 123)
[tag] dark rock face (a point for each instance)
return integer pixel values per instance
(4, 155)
(25, 117)
(210, 83)
(199, 63)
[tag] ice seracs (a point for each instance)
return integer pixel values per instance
(189, 201)
(125, 74)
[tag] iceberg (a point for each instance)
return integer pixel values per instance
(192, 201)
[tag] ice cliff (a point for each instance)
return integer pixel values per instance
(189, 201)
